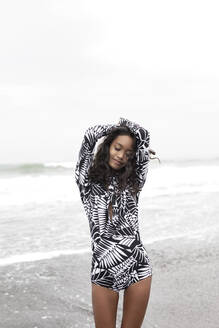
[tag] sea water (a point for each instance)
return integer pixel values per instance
(41, 214)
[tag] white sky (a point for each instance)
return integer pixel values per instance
(66, 65)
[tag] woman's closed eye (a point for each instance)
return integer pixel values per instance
(128, 155)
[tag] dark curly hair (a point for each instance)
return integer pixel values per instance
(101, 172)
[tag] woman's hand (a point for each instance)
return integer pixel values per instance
(152, 151)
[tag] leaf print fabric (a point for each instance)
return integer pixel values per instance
(118, 255)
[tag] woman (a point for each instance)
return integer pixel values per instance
(109, 186)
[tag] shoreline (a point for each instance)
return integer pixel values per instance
(40, 256)
(56, 292)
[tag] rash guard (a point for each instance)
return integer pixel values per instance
(119, 257)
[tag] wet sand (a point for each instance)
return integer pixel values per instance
(56, 292)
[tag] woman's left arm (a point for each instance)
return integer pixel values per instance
(142, 154)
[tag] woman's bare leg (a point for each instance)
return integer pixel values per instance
(135, 303)
(104, 301)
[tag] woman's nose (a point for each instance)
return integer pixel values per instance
(121, 156)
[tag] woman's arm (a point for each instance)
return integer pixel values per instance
(86, 152)
(142, 154)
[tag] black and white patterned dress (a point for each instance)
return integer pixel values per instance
(118, 256)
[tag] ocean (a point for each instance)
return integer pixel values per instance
(41, 215)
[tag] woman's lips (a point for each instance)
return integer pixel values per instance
(118, 163)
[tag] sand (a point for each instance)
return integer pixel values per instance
(57, 292)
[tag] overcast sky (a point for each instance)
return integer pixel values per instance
(68, 65)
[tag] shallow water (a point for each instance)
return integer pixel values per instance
(41, 215)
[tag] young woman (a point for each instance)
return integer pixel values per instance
(109, 186)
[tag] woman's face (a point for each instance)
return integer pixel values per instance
(120, 150)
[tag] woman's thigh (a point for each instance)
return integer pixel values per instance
(135, 303)
(105, 302)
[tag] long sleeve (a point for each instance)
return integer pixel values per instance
(142, 154)
(86, 153)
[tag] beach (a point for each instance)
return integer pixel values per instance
(57, 292)
(45, 247)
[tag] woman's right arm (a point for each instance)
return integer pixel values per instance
(86, 153)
